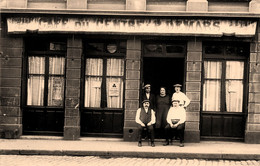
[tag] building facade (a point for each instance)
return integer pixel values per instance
(76, 68)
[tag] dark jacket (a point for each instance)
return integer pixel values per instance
(151, 99)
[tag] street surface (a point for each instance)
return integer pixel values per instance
(33, 160)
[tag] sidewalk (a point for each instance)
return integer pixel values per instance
(113, 147)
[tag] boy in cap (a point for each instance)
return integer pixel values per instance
(145, 118)
(184, 101)
(176, 118)
(147, 95)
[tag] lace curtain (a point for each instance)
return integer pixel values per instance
(233, 86)
(114, 82)
(93, 81)
(56, 81)
(212, 86)
(35, 84)
(115, 67)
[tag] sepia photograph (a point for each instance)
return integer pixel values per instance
(130, 82)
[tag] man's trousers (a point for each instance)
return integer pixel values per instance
(178, 131)
(150, 130)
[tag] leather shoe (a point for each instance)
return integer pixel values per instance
(139, 144)
(181, 145)
(152, 144)
(166, 143)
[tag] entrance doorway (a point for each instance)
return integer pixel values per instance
(102, 110)
(163, 72)
(44, 86)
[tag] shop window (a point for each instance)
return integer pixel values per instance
(104, 75)
(46, 75)
(212, 85)
(224, 78)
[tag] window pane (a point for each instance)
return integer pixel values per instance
(93, 82)
(153, 48)
(234, 96)
(94, 67)
(115, 67)
(95, 47)
(211, 95)
(93, 92)
(234, 88)
(213, 49)
(57, 65)
(55, 91)
(114, 92)
(35, 90)
(212, 69)
(234, 70)
(174, 49)
(36, 65)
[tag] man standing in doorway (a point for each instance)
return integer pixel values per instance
(145, 118)
(184, 101)
(147, 95)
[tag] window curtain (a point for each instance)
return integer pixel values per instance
(114, 85)
(234, 86)
(56, 83)
(93, 81)
(212, 86)
(35, 82)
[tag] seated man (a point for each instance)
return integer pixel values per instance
(176, 118)
(145, 118)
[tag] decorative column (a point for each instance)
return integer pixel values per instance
(133, 63)
(193, 90)
(197, 5)
(135, 4)
(252, 133)
(72, 93)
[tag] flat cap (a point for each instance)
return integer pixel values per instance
(144, 101)
(175, 100)
(147, 85)
(177, 85)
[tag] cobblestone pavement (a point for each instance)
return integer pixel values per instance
(24, 160)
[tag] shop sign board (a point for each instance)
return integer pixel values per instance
(137, 26)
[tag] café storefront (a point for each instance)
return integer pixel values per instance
(83, 75)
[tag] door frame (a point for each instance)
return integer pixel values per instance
(103, 109)
(224, 115)
(181, 53)
(40, 46)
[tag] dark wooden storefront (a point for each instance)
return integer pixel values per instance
(43, 86)
(102, 109)
(224, 90)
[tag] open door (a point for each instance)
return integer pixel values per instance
(163, 72)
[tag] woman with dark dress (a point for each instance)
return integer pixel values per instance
(162, 107)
